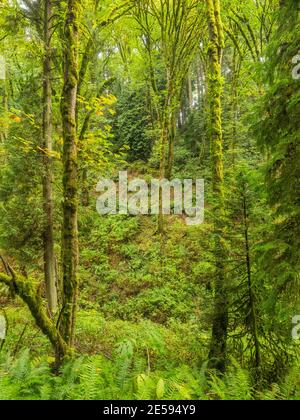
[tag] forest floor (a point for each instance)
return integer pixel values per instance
(143, 325)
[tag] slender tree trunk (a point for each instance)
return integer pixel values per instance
(3, 130)
(70, 176)
(234, 104)
(4, 89)
(218, 346)
(48, 236)
(199, 85)
(190, 92)
(203, 107)
(253, 314)
(172, 136)
(162, 171)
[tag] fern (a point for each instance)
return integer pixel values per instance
(127, 376)
(25, 379)
(235, 385)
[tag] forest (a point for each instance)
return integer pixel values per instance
(188, 289)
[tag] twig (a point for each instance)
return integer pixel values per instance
(20, 339)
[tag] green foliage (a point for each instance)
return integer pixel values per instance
(24, 379)
(145, 307)
(133, 276)
(123, 377)
(278, 133)
(132, 125)
(20, 195)
(235, 386)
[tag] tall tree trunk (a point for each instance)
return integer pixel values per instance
(48, 236)
(190, 92)
(234, 104)
(171, 144)
(162, 170)
(4, 94)
(218, 346)
(253, 314)
(70, 176)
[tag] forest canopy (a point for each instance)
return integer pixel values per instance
(149, 199)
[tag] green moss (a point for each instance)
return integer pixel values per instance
(26, 291)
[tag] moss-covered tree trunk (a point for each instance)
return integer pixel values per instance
(70, 176)
(234, 104)
(162, 171)
(171, 136)
(218, 346)
(25, 289)
(48, 237)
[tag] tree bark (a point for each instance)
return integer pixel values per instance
(253, 313)
(4, 93)
(234, 103)
(70, 252)
(48, 235)
(190, 92)
(25, 290)
(172, 136)
(218, 348)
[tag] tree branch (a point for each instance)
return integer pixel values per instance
(26, 291)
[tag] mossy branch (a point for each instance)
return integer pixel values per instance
(25, 289)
